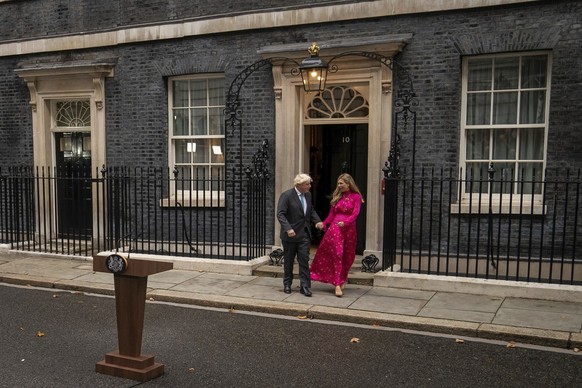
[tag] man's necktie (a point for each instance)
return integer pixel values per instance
(302, 196)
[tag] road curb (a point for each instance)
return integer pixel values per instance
(553, 338)
(408, 322)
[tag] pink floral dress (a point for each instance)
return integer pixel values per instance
(337, 250)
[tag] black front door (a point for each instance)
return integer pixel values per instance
(337, 149)
(74, 209)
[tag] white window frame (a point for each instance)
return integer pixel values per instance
(501, 203)
(202, 197)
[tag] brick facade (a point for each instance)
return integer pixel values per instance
(136, 97)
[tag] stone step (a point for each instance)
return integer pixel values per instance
(356, 276)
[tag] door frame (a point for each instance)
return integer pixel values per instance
(68, 82)
(292, 146)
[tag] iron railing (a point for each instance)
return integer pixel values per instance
(495, 228)
(145, 210)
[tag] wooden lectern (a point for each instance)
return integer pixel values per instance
(130, 278)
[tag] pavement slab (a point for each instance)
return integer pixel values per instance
(208, 285)
(539, 319)
(388, 304)
(465, 302)
(460, 315)
(526, 335)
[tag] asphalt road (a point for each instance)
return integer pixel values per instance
(220, 348)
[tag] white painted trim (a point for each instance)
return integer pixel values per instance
(240, 22)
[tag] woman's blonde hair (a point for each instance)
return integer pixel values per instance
(348, 180)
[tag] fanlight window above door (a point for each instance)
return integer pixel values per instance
(337, 102)
(73, 114)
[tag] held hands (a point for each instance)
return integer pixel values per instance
(291, 232)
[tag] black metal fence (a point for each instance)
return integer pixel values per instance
(435, 223)
(494, 228)
(145, 210)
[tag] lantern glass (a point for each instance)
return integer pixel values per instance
(314, 73)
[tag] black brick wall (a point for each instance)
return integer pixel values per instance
(136, 98)
(38, 18)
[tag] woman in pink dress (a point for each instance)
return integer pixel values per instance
(337, 250)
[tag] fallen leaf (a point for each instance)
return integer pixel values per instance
(151, 298)
(191, 370)
(576, 350)
(355, 340)
(40, 333)
(459, 341)
(511, 344)
(55, 296)
(231, 310)
(302, 316)
(376, 324)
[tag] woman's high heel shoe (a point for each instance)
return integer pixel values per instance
(338, 291)
(344, 285)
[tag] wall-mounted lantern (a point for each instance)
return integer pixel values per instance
(313, 71)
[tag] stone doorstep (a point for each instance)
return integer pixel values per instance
(355, 277)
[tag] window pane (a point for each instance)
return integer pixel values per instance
(180, 122)
(180, 93)
(217, 150)
(182, 148)
(505, 108)
(200, 174)
(199, 121)
(216, 117)
(218, 178)
(183, 178)
(216, 92)
(530, 178)
(476, 178)
(533, 72)
(503, 178)
(479, 74)
(477, 144)
(531, 144)
(75, 113)
(200, 153)
(533, 105)
(504, 143)
(478, 108)
(506, 73)
(198, 93)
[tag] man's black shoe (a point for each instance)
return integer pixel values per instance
(287, 289)
(305, 291)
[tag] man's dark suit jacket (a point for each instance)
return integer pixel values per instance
(291, 216)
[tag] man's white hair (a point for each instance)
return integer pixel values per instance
(301, 179)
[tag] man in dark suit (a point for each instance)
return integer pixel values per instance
(295, 214)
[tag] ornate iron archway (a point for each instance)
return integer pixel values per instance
(404, 119)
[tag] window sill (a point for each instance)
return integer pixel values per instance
(517, 209)
(195, 199)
